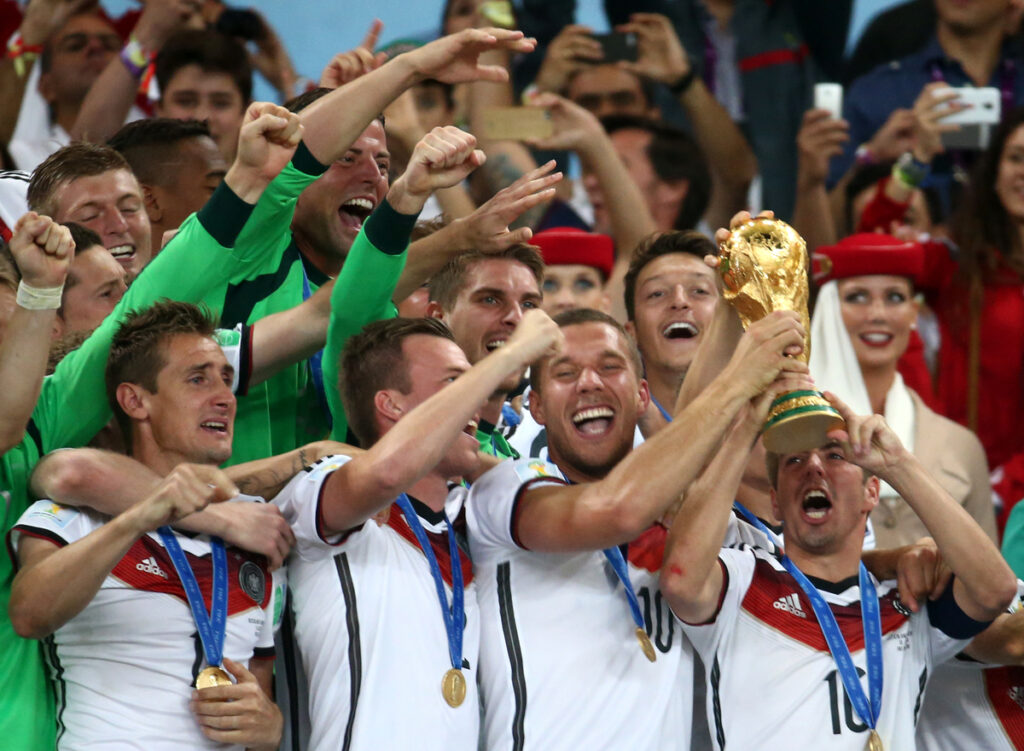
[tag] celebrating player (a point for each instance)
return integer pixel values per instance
(139, 613)
(560, 665)
(385, 608)
(794, 635)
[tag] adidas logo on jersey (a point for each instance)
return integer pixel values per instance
(791, 604)
(150, 566)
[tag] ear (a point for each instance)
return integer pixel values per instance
(774, 498)
(387, 405)
(434, 310)
(630, 328)
(605, 306)
(871, 490)
(152, 202)
(537, 407)
(644, 395)
(58, 327)
(132, 399)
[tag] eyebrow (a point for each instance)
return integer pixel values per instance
(202, 367)
(701, 275)
(382, 154)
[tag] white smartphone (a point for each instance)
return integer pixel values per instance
(983, 106)
(829, 96)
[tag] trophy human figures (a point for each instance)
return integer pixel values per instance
(764, 268)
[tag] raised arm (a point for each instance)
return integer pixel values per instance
(653, 476)
(54, 583)
(691, 579)
(112, 95)
(370, 481)
(984, 584)
(819, 139)
(335, 121)
(42, 250)
(661, 57)
(578, 130)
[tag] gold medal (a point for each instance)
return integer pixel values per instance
(875, 741)
(645, 644)
(211, 677)
(453, 686)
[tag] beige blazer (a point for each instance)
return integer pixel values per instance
(953, 455)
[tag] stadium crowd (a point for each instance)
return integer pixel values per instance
(412, 411)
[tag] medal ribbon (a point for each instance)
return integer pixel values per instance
(210, 627)
(871, 620)
(454, 617)
(618, 561)
(316, 360)
(664, 412)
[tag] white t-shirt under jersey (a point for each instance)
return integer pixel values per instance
(560, 665)
(368, 626)
(124, 667)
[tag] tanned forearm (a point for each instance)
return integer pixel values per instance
(23, 354)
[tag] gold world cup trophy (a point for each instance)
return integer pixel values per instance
(764, 268)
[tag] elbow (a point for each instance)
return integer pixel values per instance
(60, 476)
(27, 623)
(998, 592)
(675, 584)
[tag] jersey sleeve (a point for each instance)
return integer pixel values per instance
(951, 629)
(196, 262)
(300, 505)
(274, 210)
(738, 573)
(236, 344)
(61, 525)
(494, 500)
(362, 294)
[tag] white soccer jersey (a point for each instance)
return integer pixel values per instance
(560, 665)
(368, 625)
(772, 682)
(967, 706)
(124, 668)
(13, 200)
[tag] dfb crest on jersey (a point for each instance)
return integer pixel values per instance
(252, 581)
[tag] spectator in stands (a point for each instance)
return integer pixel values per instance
(860, 328)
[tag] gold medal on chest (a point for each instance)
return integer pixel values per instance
(212, 676)
(453, 687)
(645, 644)
(875, 741)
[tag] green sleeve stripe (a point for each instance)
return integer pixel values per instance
(388, 230)
(224, 215)
(304, 161)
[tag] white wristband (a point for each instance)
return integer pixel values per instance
(39, 298)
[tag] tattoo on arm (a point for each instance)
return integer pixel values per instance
(268, 482)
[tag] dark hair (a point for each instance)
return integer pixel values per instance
(981, 226)
(79, 159)
(150, 146)
(373, 360)
(211, 51)
(674, 156)
(578, 316)
(447, 283)
(688, 241)
(137, 348)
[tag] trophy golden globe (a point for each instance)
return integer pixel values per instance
(764, 268)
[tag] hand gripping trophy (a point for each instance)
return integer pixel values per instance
(764, 268)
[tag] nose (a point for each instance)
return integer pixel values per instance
(113, 222)
(679, 297)
(562, 299)
(588, 380)
(876, 309)
(814, 465)
(368, 171)
(513, 314)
